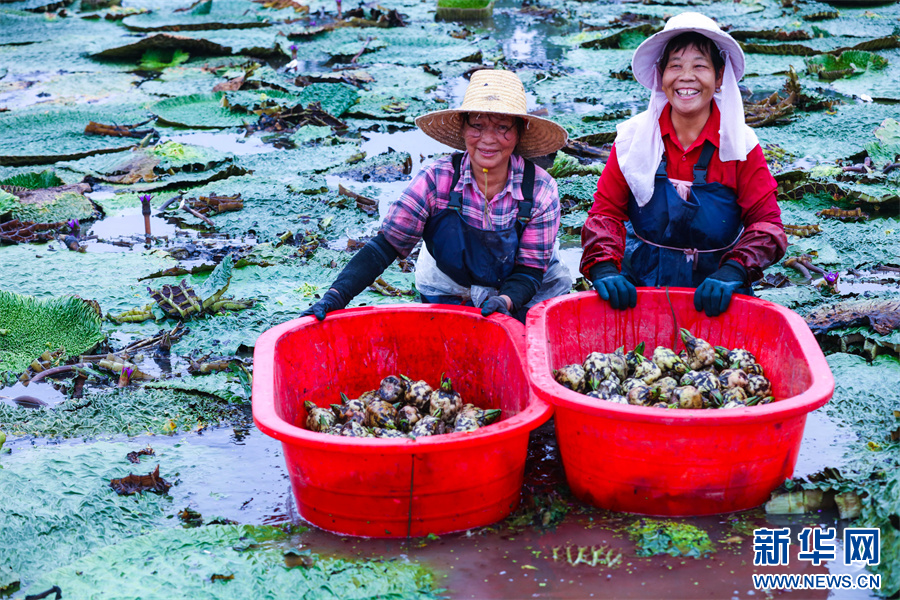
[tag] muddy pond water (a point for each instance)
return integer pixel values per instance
(242, 478)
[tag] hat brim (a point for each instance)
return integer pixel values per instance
(648, 54)
(541, 136)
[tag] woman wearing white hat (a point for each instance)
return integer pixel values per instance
(688, 176)
(488, 217)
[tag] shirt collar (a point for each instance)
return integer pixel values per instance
(710, 130)
(517, 166)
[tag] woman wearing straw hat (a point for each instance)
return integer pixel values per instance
(688, 176)
(488, 217)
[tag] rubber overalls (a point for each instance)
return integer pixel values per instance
(673, 242)
(461, 264)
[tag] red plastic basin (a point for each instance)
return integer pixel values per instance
(399, 487)
(668, 462)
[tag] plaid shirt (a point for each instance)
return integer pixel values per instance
(405, 221)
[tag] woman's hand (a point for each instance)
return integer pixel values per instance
(714, 295)
(613, 286)
(500, 304)
(331, 301)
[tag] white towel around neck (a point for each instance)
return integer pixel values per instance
(639, 145)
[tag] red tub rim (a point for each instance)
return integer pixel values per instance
(540, 372)
(535, 414)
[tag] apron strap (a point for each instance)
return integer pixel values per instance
(455, 197)
(661, 169)
(703, 163)
(527, 202)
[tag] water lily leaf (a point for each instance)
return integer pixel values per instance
(408, 46)
(34, 325)
(51, 205)
(94, 275)
(389, 166)
(33, 181)
(221, 14)
(217, 282)
(163, 41)
(851, 62)
(886, 148)
(40, 136)
(157, 59)
(627, 39)
(199, 110)
(220, 385)
(828, 137)
(20, 27)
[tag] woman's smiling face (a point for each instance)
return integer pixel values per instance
(689, 81)
(490, 140)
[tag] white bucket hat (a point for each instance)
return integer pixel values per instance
(639, 145)
(498, 92)
(645, 62)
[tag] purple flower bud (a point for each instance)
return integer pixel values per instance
(145, 198)
(293, 47)
(831, 278)
(72, 223)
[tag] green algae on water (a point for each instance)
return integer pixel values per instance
(668, 537)
(249, 562)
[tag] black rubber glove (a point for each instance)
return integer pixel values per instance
(613, 286)
(331, 300)
(714, 295)
(494, 304)
(362, 270)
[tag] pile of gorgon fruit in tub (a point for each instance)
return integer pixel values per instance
(400, 408)
(700, 376)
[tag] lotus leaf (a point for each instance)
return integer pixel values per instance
(39, 136)
(221, 14)
(20, 27)
(53, 205)
(409, 46)
(130, 411)
(220, 385)
(578, 188)
(157, 59)
(827, 137)
(261, 42)
(886, 148)
(567, 166)
(389, 166)
(200, 110)
(45, 179)
(848, 63)
(190, 78)
(191, 45)
(92, 275)
(34, 325)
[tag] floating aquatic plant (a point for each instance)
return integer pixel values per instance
(668, 537)
(851, 62)
(33, 325)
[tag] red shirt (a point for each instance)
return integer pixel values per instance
(750, 180)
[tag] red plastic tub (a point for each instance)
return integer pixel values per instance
(399, 487)
(668, 462)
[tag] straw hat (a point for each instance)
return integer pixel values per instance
(644, 63)
(498, 92)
